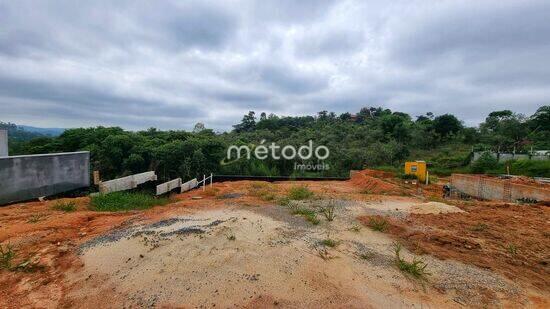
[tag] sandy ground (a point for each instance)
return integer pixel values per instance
(233, 249)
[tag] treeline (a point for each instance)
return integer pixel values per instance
(372, 137)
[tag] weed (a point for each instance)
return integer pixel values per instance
(231, 236)
(308, 214)
(65, 206)
(416, 268)
(124, 201)
(512, 249)
(480, 227)
(328, 211)
(300, 193)
(355, 228)
(35, 218)
(329, 243)
(378, 224)
(284, 201)
(6, 256)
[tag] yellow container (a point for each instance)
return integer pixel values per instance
(417, 168)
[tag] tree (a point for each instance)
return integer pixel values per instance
(446, 124)
(199, 127)
(247, 124)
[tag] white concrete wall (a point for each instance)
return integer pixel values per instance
(168, 186)
(191, 184)
(126, 183)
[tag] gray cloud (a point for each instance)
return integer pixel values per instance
(170, 64)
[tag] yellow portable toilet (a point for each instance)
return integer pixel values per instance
(417, 168)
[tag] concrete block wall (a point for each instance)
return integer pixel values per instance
(168, 186)
(497, 189)
(126, 183)
(4, 143)
(32, 176)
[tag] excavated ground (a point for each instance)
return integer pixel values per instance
(237, 248)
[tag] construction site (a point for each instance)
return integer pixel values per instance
(373, 240)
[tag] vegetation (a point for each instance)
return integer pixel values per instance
(308, 214)
(300, 193)
(373, 137)
(7, 254)
(378, 224)
(124, 201)
(416, 268)
(329, 211)
(329, 243)
(69, 206)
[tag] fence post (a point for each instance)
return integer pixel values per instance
(203, 182)
(211, 179)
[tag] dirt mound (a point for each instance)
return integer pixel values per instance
(373, 185)
(378, 174)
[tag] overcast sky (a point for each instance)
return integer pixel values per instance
(140, 64)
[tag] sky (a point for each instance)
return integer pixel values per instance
(171, 64)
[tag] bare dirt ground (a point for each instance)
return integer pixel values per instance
(235, 248)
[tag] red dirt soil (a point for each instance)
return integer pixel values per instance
(373, 185)
(510, 239)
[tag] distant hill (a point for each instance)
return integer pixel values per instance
(25, 133)
(43, 131)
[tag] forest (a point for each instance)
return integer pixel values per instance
(374, 137)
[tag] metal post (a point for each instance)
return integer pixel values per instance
(203, 182)
(211, 178)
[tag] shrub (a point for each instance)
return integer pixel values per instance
(300, 193)
(484, 163)
(533, 168)
(124, 201)
(329, 211)
(65, 206)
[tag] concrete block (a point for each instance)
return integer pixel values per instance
(4, 143)
(126, 183)
(168, 186)
(191, 184)
(32, 176)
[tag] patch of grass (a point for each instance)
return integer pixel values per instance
(308, 214)
(329, 243)
(69, 206)
(231, 237)
(7, 254)
(125, 201)
(328, 211)
(512, 249)
(283, 201)
(378, 224)
(300, 193)
(35, 218)
(416, 268)
(355, 228)
(480, 227)
(323, 253)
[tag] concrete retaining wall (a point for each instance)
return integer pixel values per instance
(168, 186)
(497, 189)
(3, 143)
(191, 184)
(32, 176)
(126, 183)
(503, 157)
